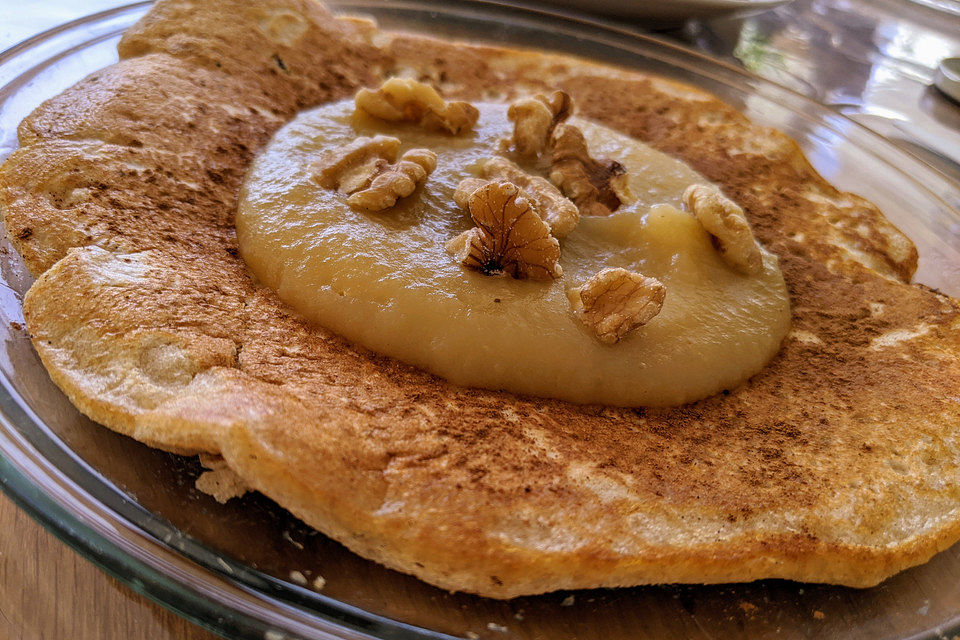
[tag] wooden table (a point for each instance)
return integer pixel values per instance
(49, 592)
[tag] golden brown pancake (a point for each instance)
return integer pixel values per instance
(837, 463)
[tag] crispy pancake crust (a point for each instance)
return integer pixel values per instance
(837, 463)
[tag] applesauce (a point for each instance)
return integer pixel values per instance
(385, 281)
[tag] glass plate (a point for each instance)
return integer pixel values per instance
(662, 14)
(945, 6)
(133, 510)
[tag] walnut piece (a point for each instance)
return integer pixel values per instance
(727, 225)
(510, 238)
(560, 214)
(465, 189)
(395, 181)
(615, 302)
(597, 187)
(352, 167)
(558, 211)
(534, 120)
(363, 168)
(407, 100)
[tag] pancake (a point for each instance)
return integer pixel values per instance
(837, 463)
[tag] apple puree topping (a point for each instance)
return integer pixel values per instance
(512, 246)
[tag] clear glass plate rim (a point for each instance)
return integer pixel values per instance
(818, 113)
(799, 104)
(89, 537)
(115, 542)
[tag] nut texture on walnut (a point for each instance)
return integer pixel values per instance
(597, 187)
(615, 302)
(534, 120)
(407, 100)
(726, 223)
(351, 168)
(558, 211)
(510, 238)
(395, 181)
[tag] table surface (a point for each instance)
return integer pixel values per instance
(872, 60)
(49, 592)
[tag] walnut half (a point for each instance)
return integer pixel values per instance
(407, 100)
(597, 187)
(363, 170)
(615, 302)
(534, 120)
(558, 211)
(396, 181)
(510, 238)
(350, 168)
(560, 214)
(727, 225)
